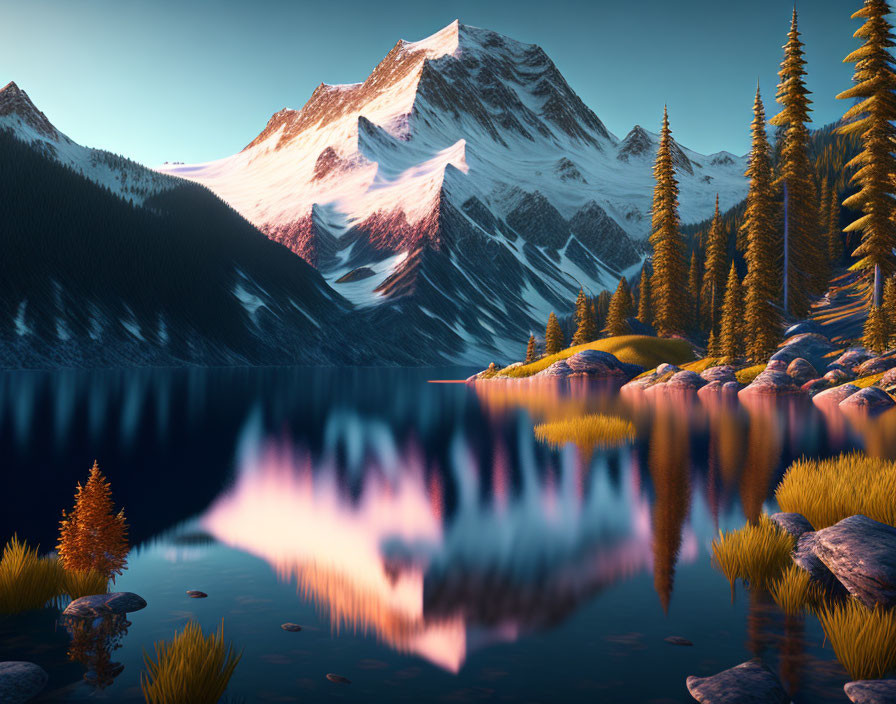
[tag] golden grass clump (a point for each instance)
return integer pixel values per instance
(27, 581)
(642, 350)
(747, 375)
(792, 592)
(78, 583)
(827, 491)
(595, 430)
(757, 553)
(864, 640)
(190, 668)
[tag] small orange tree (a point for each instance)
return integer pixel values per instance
(92, 536)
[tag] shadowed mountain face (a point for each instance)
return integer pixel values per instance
(469, 183)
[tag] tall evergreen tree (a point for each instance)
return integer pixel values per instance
(801, 253)
(876, 334)
(603, 309)
(889, 309)
(761, 317)
(731, 331)
(645, 301)
(694, 282)
(586, 329)
(531, 350)
(620, 311)
(715, 270)
(553, 336)
(669, 268)
(835, 234)
(872, 117)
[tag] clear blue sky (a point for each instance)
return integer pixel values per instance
(194, 80)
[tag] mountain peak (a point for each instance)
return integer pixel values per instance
(444, 42)
(14, 102)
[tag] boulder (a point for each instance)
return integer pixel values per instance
(802, 328)
(748, 683)
(861, 554)
(99, 605)
(731, 388)
(815, 386)
(839, 376)
(338, 679)
(804, 556)
(601, 365)
(802, 371)
(664, 369)
(557, 369)
(21, 681)
(794, 523)
(871, 691)
(776, 365)
(877, 365)
(291, 627)
(853, 357)
(835, 396)
(686, 380)
(771, 383)
(723, 373)
(196, 594)
(888, 381)
(870, 400)
(810, 346)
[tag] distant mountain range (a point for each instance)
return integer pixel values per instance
(444, 207)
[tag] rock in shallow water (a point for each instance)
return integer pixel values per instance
(833, 397)
(772, 383)
(339, 679)
(20, 681)
(678, 640)
(722, 374)
(804, 556)
(748, 683)
(871, 691)
(601, 365)
(870, 400)
(291, 627)
(686, 380)
(557, 369)
(100, 605)
(861, 554)
(196, 594)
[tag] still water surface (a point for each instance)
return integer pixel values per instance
(431, 549)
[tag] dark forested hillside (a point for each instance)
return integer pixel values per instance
(88, 278)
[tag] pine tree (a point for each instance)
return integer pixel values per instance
(872, 119)
(603, 309)
(694, 290)
(620, 310)
(824, 224)
(531, 350)
(835, 234)
(876, 336)
(92, 536)
(712, 346)
(645, 302)
(714, 271)
(553, 336)
(761, 282)
(586, 330)
(889, 309)
(669, 268)
(731, 335)
(801, 253)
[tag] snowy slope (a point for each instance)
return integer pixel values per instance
(466, 174)
(121, 176)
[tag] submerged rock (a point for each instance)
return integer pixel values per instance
(678, 640)
(196, 594)
(722, 374)
(99, 605)
(291, 627)
(748, 683)
(871, 400)
(835, 396)
(339, 679)
(871, 691)
(801, 371)
(794, 523)
(21, 681)
(861, 553)
(772, 383)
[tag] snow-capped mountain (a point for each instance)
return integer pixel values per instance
(121, 176)
(464, 185)
(107, 263)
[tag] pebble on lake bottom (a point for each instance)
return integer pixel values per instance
(291, 627)
(196, 594)
(338, 678)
